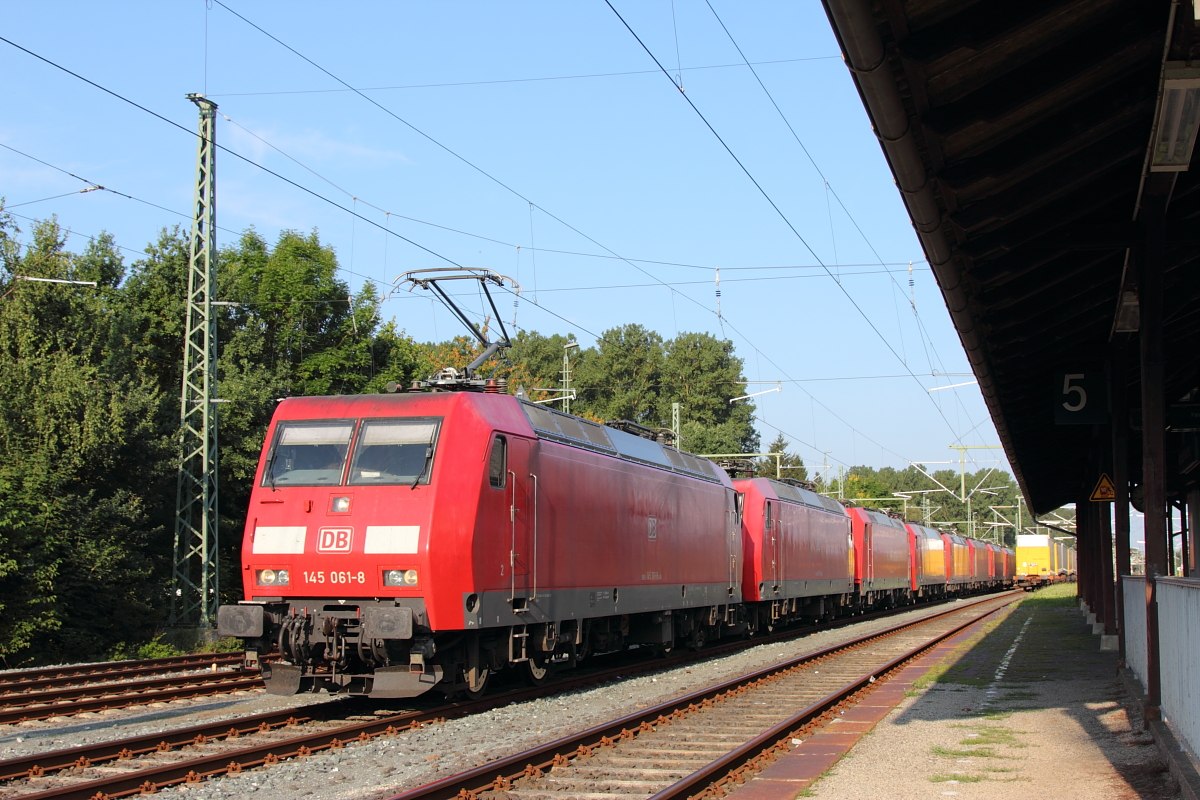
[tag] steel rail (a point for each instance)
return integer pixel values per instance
(92, 679)
(762, 745)
(39, 765)
(171, 689)
(23, 699)
(496, 775)
(149, 780)
(96, 668)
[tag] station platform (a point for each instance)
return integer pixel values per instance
(1022, 705)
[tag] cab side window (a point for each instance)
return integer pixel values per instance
(498, 463)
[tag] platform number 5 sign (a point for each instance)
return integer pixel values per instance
(1080, 397)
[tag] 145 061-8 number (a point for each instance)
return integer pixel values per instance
(335, 577)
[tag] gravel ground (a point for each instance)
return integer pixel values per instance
(1055, 722)
(388, 765)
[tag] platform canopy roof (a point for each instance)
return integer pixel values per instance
(1018, 134)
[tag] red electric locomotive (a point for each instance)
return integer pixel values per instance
(398, 542)
(799, 557)
(882, 559)
(959, 570)
(1010, 566)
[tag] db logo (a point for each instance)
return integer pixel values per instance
(334, 540)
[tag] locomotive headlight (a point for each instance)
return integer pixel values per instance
(271, 577)
(400, 577)
(340, 505)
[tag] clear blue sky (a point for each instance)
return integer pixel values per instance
(621, 157)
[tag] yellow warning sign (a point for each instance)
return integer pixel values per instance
(1104, 492)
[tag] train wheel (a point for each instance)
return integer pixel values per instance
(475, 692)
(537, 670)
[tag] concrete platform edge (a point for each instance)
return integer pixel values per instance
(1179, 761)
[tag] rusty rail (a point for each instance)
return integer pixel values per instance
(10, 688)
(195, 661)
(43, 705)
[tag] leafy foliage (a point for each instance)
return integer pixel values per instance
(79, 435)
(89, 410)
(993, 495)
(790, 465)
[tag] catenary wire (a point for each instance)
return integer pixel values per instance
(55, 197)
(558, 219)
(518, 80)
(778, 211)
(233, 153)
(920, 324)
(513, 191)
(699, 283)
(343, 208)
(131, 197)
(503, 243)
(105, 188)
(77, 233)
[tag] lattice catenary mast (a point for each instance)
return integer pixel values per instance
(195, 590)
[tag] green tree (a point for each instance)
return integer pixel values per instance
(89, 409)
(296, 330)
(620, 377)
(80, 446)
(702, 374)
(993, 496)
(536, 362)
(792, 465)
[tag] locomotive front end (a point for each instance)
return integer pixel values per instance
(335, 553)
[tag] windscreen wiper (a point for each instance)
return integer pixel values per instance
(271, 467)
(425, 466)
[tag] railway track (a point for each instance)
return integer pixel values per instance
(144, 764)
(695, 745)
(63, 696)
(30, 680)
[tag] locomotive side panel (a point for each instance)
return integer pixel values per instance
(959, 567)
(604, 537)
(830, 552)
(978, 560)
(792, 550)
(930, 556)
(882, 558)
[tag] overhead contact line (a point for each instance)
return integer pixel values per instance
(553, 216)
(778, 211)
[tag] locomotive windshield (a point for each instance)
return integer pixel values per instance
(309, 453)
(394, 451)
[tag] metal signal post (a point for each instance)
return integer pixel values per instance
(195, 594)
